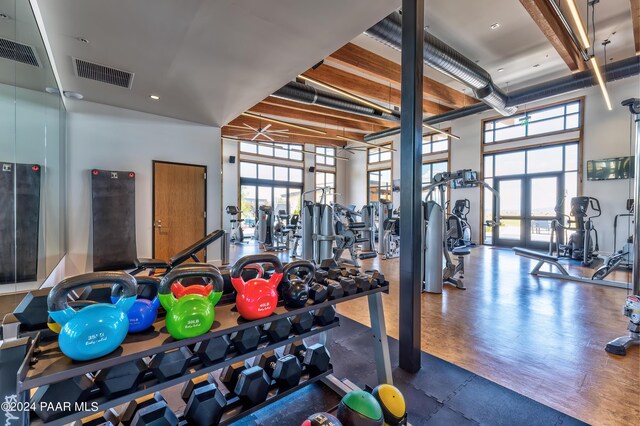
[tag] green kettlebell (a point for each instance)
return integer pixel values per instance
(192, 314)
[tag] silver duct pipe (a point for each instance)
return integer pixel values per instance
(298, 92)
(447, 60)
(616, 71)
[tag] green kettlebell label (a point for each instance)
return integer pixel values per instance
(192, 323)
(93, 339)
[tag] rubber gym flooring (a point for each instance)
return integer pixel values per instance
(439, 394)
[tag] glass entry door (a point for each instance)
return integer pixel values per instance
(527, 207)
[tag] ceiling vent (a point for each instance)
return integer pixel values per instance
(18, 52)
(103, 73)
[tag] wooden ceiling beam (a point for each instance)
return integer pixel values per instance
(329, 112)
(367, 88)
(235, 132)
(369, 63)
(322, 120)
(550, 25)
(238, 123)
(635, 17)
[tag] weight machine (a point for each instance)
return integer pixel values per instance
(349, 233)
(237, 233)
(390, 241)
(269, 232)
(317, 232)
(580, 245)
(458, 229)
(435, 238)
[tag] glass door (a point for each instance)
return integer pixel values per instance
(542, 198)
(510, 233)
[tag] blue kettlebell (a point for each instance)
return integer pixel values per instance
(143, 313)
(95, 330)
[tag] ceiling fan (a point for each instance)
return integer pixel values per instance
(263, 131)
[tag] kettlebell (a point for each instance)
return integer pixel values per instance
(258, 297)
(75, 304)
(295, 290)
(192, 314)
(95, 330)
(143, 313)
(179, 290)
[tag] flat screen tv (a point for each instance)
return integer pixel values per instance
(610, 168)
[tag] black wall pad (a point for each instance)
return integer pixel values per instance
(19, 222)
(113, 197)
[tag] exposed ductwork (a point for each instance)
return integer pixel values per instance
(305, 94)
(447, 60)
(615, 71)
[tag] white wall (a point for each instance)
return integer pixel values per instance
(229, 180)
(606, 134)
(111, 138)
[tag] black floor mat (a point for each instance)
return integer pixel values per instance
(439, 394)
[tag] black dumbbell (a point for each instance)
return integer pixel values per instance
(246, 340)
(334, 289)
(213, 350)
(278, 330)
(32, 310)
(318, 293)
(363, 282)
(106, 418)
(315, 358)
(205, 402)
(230, 374)
(377, 278)
(286, 370)
(49, 399)
(147, 410)
(327, 264)
(121, 379)
(348, 286)
(320, 275)
(334, 274)
(253, 385)
(171, 364)
(302, 323)
(325, 316)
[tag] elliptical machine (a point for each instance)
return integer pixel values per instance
(237, 234)
(582, 244)
(458, 229)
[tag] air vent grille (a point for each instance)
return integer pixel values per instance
(18, 52)
(103, 73)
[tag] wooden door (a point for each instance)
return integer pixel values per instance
(179, 208)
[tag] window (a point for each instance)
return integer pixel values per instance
(433, 143)
(556, 118)
(379, 155)
(429, 170)
(321, 156)
(272, 149)
(324, 180)
(379, 185)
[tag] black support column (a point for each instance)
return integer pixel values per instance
(411, 183)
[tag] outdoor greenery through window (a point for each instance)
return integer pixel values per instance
(272, 149)
(434, 142)
(321, 156)
(537, 122)
(378, 155)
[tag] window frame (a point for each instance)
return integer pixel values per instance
(379, 186)
(290, 147)
(430, 143)
(322, 159)
(379, 153)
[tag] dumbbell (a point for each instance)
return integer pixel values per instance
(213, 350)
(315, 358)
(49, 399)
(148, 410)
(377, 278)
(121, 379)
(246, 340)
(171, 364)
(337, 273)
(334, 289)
(251, 385)
(318, 293)
(325, 316)
(106, 418)
(302, 323)
(278, 330)
(320, 275)
(348, 286)
(205, 402)
(286, 370)
(363, 282)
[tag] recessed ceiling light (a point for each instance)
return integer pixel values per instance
(3, 16)
(495, 26)
(83, 40)
(500, 69)
(73, 95)
(155, 97)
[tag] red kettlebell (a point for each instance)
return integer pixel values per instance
(179, 290)
(258, 297)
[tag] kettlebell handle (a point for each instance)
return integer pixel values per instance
(193, 270)
(242, 263)
(57, 299)
(116, 290)
(300, 264)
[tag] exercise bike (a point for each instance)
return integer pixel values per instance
(582, 244)
(237, 233)
(458, 229)
(623, 258)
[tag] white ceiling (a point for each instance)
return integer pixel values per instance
(207, 60)
(518, 44)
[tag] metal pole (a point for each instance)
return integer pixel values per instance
(411, 176)
(636, 195)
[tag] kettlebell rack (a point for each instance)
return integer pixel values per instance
(44, 363)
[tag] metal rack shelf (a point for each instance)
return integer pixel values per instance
(53, 366)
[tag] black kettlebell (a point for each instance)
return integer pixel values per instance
(295, 290)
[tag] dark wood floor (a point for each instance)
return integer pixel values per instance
(540, 337)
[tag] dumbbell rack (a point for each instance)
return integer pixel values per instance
(51, 366)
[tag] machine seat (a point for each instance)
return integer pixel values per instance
(362, 240)
(368, 255)
(151, 263)
(202, 243)
(461, 251)
(356, 225)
